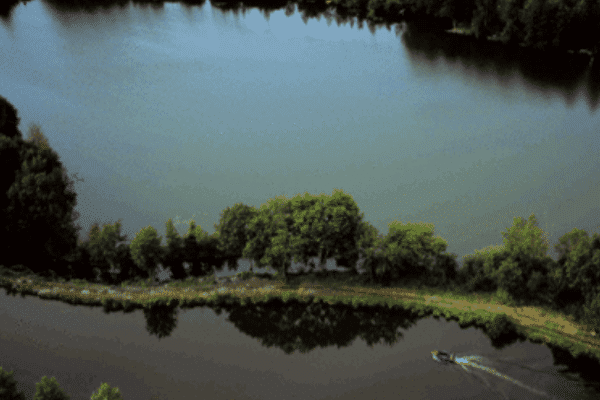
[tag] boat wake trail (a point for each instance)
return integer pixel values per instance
(473, 362)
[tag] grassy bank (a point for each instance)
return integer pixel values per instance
(537, 323)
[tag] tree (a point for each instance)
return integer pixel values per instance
(309, 226)
(342, 230)
(174, 257)
(9, 120)
(39, 210)
(371, 244)
(146, 250)
(102, 246)
(210, 257)
(128, 268)
(38, 205)
(409, 250)
(8, 384)
(233, 232)
(510, 14)
(48, 389)
(486, 19)
(37, 137)
(105, 392)
(576, 275)
(524, 236)
(278, 253)
(272, 219)
(525, 264)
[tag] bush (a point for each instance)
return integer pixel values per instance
(499, 325)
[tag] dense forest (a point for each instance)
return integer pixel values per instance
(41, 236)
(558, 25)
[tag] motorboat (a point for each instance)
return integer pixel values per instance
(443, 356)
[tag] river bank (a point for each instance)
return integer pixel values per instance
(536, 323)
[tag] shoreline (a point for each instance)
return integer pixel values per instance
(536, 323)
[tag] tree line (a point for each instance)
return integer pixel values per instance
(541, 24)
(39, 231)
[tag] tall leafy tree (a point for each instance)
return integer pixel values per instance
(309, 226)
(486, 19)
(526, 264)
(233, 231)
(146, 250)
(524, 236)
(9, 120)
(342, 230)
(191, 249)
(271, 220)
(174, 258)
(479, 269)
(371, 245)
(278, 254)
(103, 248)
(409, 250)
(210, 256)
(37, 201)
(577, 273)
(128, 269)
(40, 209)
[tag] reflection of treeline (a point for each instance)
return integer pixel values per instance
(543, 24)
(38, 221)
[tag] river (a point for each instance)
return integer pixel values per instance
(273, 351)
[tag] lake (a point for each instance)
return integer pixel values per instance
(273, 350)
(180, 111)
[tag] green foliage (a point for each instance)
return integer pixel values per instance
(146, 250)
(498, 326)
(232, 231)
(9, 120)
(262, 228)
(38, 208)
(509, 11)
(48, 389)
(103, 249)
(458, 10)
(174, 256)
(505, 297)
(486, 20)
(309, 227)
(105, 392)
(576, 275)
(245, 275)
(8, 384)
(525, 237)
(478, 271)
(408, 251)
(343, 229)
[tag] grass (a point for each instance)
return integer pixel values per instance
(538, 323)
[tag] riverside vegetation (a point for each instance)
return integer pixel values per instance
(513, 287)
(557, 25)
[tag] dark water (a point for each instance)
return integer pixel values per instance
(178, 112)
(269, 351)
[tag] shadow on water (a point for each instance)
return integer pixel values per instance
(307, 323)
